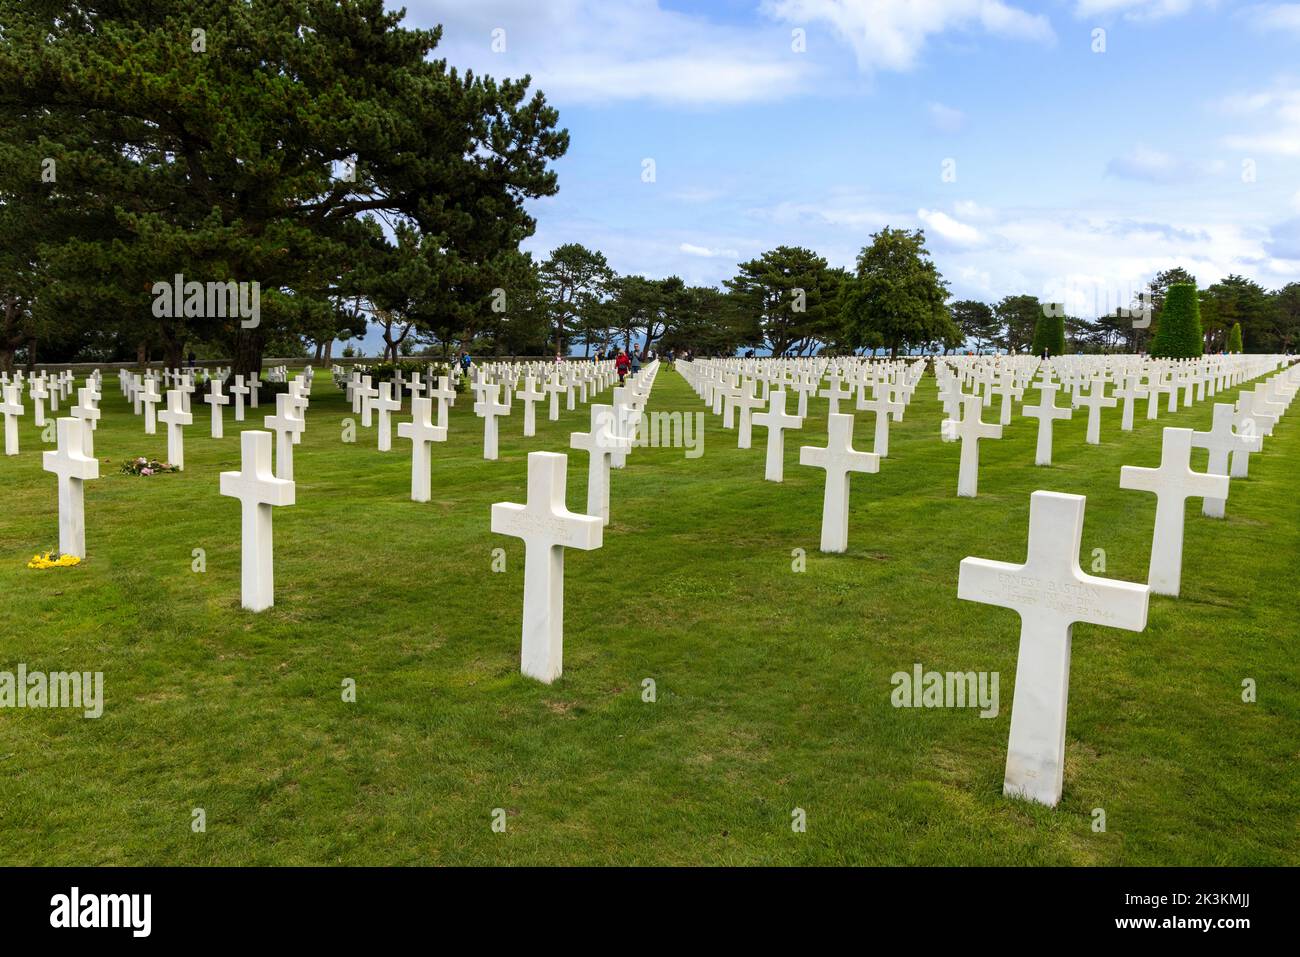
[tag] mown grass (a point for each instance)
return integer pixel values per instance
(773, 687)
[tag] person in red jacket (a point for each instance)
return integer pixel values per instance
(622, 363)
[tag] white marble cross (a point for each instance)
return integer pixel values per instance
(421, 431)
(776, 421)
(882, 405)
(1096, 400)
(1222, 441)
(1156, 387)
(1007, 389)
(1050, 592)
(71, 464)
(1130, 393)
(150, 399)
(185, 386)
(1045, 412)
(258, 491)
(386, 405)
(599, 443)
(1173, 483)
(529, 395)
(446, 396)
(239, 390)
(554, 386)
(835, 393)
(969, 429)
(12, 408)
(746, 401)
(489, 408)
(285, 425)
(88, 412)
(1246, 426)
(415, 386)
(215, 399)
(547, 528)
(363, 396)
(175, 419)
(39, 393)
(839, 458)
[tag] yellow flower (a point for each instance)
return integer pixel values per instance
(44, 561)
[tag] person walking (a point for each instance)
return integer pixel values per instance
(622, 364)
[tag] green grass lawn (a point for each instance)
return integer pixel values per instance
(773, 687)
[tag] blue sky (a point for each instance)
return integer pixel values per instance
(1078, 174)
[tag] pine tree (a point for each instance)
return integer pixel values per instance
(1179, 335)
(248, 142)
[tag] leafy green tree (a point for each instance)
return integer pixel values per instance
(708, 322)
(576, 281)
(1018, 317)
(976, 321)
(1179, 335)
(1286, 317)
(897, 297)
(251, 152)
(1234, 339)
(1238, 300)
(791, 292)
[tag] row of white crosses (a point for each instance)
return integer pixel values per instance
(890, 385)
(1051, 593)
(493, 385)
(73, 462)
(1010, 379)
(548, 527)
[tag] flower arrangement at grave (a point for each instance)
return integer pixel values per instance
(146, 466)
(44, 561)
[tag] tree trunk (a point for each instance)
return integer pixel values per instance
(246, 356)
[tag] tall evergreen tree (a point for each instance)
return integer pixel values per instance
(792, 295)
(1179, 335)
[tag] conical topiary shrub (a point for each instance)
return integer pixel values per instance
(1049, 332)
(1234, 339)
(1179, 335)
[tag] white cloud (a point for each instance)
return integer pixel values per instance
(950, 229)
(1149, 165)
(969, 209)
(1137, 9)
(890, 34)
(705, 252)
(696, 195)
(1271, 17)
(946, 119)
(1278, 111)
(848, 212)
(591, 51)
(1091, 261)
